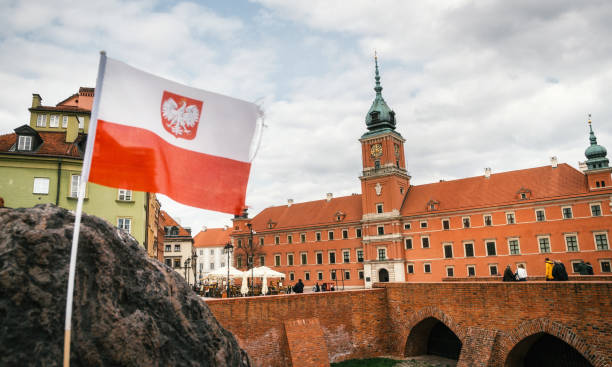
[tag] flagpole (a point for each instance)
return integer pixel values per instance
(93, 121)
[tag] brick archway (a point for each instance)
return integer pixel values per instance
(410, 347)
(509, 340)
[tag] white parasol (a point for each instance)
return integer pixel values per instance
(264, 287)
(262, 271)
(245, 284)
(222, 273)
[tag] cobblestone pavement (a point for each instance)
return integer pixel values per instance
(426, 361)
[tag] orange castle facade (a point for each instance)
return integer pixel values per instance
(472, 227)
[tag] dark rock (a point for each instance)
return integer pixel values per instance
(128, 310)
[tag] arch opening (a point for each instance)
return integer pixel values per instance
(383, 275)
(543, 350)
(431, 336)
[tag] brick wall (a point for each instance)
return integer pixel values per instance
(354, 323)
(490, 319)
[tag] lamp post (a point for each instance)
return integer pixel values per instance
(228, 250)
(250, 256)
(194, 264)
(186, 265)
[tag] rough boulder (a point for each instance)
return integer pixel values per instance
(128, 310)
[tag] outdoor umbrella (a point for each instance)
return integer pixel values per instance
(262, 271)
(264, 287)
(245, 284)
(222, 273)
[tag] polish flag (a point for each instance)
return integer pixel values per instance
(156, 135)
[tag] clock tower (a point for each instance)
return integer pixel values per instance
(384, 185)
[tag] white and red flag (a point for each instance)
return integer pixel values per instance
(156, 135)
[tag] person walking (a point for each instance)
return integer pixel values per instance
(508, 274)
(549, 268)
(558, 272)
(589, 268)
(299, 287)
(521, 273)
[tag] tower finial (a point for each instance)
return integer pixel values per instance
(378, 87)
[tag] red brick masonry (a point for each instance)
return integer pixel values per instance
(490, 319)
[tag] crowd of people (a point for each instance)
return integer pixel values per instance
(555, 271)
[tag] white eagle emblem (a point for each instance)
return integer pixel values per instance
(180, 120)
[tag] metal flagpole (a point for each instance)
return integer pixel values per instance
(93, 121)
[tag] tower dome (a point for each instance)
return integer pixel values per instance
(380, 116)
(595, 153)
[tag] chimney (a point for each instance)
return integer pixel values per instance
(329, 196)
(225, 227)
(487, 172)
(204, 228)
(36, 100)
(554, 162)
(289, 202)
(188, 229)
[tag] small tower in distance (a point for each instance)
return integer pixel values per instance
(598, 168)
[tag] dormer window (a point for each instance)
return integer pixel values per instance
(271, 224)
(339, 216)
(433, 205)
(524, 194)
(24, 143)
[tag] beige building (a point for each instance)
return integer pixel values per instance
(178, 248)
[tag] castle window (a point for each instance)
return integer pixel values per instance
(239, 243)
(471, 270)
(491, 248)
(332, 257)
(24, 143)
(448, 251)
(382, 254)
(276, 240)
(319, 258)
(261, 241)
(488, 220)
(289, 239)
(445, 223)
(345, 234)
(544, 244)
(466, 222)
(168, 248)
(601, 241)
(319, 275)
(377, 164)
(347, 275)
(510, 218)
(318, 236)
(177, 248)
(450, 271)
(469, 249)
(124, 195)
(567, 212)
(406, 225)
(408, 243)
(425, 242)
(605, 266)
(410, 268)
(597, 183)
(360, 256)
(304, 258)
(379, 208)
(307, 275)
(540, 215)
(64, 121)
(346, 256)
(262, 261)
(303, 237)
(424, 224)
(330, 235)
(427, 268)
(513, 246)
(596, 210)
(277, 260)
(358, 232)
(571, 242)
(493, 269)
(290, 259)
(291, 276)
(380, 230)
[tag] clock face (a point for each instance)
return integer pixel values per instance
(376, 150)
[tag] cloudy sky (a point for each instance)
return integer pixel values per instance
(474, 84)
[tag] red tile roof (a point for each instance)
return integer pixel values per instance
(498, 189)
(311, 213)
(168, 221)
(54, 144)
(212, 237)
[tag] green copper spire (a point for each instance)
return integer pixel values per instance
(380, 116)
(596, 154)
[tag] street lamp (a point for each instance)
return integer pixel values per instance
(186, 264)
(250, 256)
(194, 264)
(228, 249)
